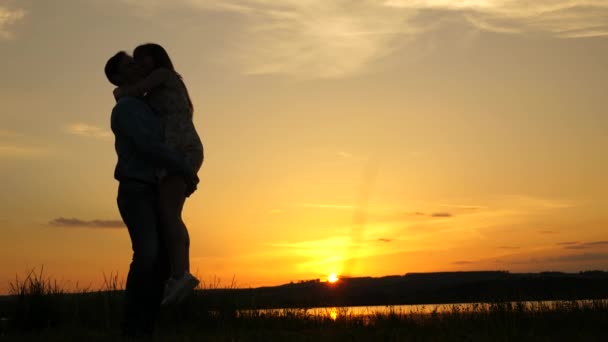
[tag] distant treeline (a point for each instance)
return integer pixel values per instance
(420, 288)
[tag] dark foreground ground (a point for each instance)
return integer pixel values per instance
(39, 310)
(97, 318)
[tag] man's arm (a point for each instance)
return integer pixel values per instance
(133, 119)
(153, 80)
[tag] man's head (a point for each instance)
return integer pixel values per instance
(121, 69)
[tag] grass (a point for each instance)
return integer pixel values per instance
(40, 310)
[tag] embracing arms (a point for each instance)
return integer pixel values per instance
(134, 121)
(154, 79)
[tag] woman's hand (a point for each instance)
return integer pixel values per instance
(191, 185)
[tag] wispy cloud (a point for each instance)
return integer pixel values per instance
(339, 38)
(526, 201)
(587, 245)
(19, 151)
(86, 130)
(314, 38)
(324, 206)
(598, 257)
(385, 240)
(561, 18)
(317, 38)
(508, 247)
(332, 243)
(463, 206)
(8, 17)
(407, 216)
(78, 223)
(441, 214)
(16, 145)
(462, 262)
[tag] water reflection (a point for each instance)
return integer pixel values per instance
(335, 313)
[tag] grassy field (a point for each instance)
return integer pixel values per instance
(39, 310)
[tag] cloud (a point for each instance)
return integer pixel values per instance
(567, 243)
(86, 130)
(78, 223)
(441, 215)
(340, 38)
(332, 243)
(556, 259)
(575, 247)
(508, 247)
(560, 18)
(315, 38)
(463, 206)
(16, 145)
(597, 243)
(586, 245)
(463, 262)
(8, 17)
(540, 203)
(563, 19)
(309, 39)
(17, 151)
(407, 216)
(579, 257)
(412, 221)
(385, 240)
(323, 206)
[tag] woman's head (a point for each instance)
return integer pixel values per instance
(152, 56)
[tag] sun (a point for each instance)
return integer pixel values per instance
(333, 278)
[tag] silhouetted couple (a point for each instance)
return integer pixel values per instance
(159, 155)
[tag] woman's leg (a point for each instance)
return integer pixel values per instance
(171, 202)
(195, 157)
(187, 248)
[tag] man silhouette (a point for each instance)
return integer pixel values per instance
(141, 153)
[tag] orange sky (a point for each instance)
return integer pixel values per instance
(362, 138)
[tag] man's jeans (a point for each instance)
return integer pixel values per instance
(138, 203)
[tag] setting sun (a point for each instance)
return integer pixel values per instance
(332, 278)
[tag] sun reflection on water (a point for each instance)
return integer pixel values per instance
(333, 314)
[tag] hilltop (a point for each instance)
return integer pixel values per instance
(422, 288)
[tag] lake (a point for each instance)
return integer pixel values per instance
(359, 311)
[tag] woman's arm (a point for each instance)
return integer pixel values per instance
(154, 79)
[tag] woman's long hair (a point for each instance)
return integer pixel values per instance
(161, 60)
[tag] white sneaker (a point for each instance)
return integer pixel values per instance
(177, 289)
(191, 283)
(169, 293)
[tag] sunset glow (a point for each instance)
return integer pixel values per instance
(332, 278)
(365, 138)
